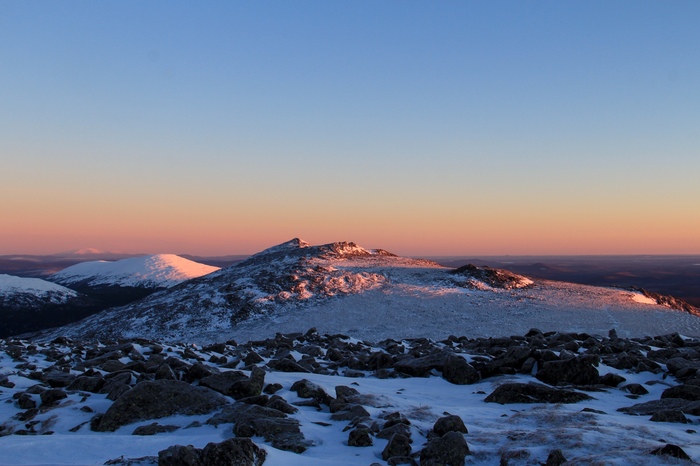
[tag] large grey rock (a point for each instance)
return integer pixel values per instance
(669, 415)
(458, 371)
(350, 413)
(420, 367)
(399, 445)
(160, 398)
(180, 455)
(533, 393)
(307, 389)
(233, 452)
(449, 450)
(450, 423)
(254, 420)
(687, 392)
(654, 406)
(235, 383)
(359, 438)
(575, 371)
(223, 381)
(251, 386)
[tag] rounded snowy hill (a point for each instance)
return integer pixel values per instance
(156, 271)
(32, 290)
(373, 294)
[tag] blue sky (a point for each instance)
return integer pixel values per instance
(426, 127)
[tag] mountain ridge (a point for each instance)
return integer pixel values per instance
(343, 287)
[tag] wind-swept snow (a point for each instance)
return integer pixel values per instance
(156, 271)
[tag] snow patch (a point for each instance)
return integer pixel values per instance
(640, 298)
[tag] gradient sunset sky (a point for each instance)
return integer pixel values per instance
(424, 128)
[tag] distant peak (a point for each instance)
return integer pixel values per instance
(296, 243)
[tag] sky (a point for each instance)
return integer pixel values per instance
(424, 128)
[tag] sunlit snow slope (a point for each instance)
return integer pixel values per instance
(373, 294)
(157, 271)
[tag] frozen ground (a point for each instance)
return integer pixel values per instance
(412, 310)
(522, 433)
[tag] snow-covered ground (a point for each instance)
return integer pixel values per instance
(160, 270)
(522, 433)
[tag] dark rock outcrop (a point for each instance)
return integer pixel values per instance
(231, 452)
(160, 398)
(450, 449)
(533, 393)
(451, 423)
(575, 371)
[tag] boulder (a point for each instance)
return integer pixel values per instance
(58, 379)
(450, 423)
(388, 432)
(399, 445)
(273, 425)
(634, 389)
(574, 371)
(654, 406)
(555, 458)
(512, 359)
(350, 413)
(51, 396)
(307, 389)
(90, 384)
(223, 381)
(687, 392)
(671, 450)
(611, 379)
(669, 415)
(533, 393)
(449, 450)
(359, 437)
(252, 386)
(458, 371)
(157, 399)
(153, 429)
(420, 367)
(235, 383)
(233, 452)
(180, 455)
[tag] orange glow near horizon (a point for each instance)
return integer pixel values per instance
(400, 229)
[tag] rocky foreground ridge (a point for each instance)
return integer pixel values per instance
(540, 398)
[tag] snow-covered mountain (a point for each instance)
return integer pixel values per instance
(373, 294)
(156, 271)
(30, 304)
(30, 292)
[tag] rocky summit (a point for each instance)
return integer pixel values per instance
(373, 294)
(310, 398)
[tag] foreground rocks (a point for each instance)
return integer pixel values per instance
(231, 452)
(239, 391)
